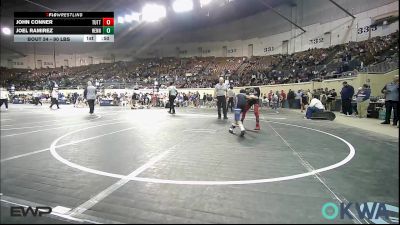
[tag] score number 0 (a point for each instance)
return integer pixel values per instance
(108, 21)
(108, 25)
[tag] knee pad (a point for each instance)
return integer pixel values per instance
(237, 114)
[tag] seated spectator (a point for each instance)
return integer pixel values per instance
(315, 106)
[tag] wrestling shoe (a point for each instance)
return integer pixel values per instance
(231, 130)
(257, 127)
(242, 133)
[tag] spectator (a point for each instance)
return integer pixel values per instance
(135, 97)
(309, 96)
(54, 97)
(275, 101)
(363, 96)
(209, 100)
(185, 100)
(270, 94)
(391, 91)
(36, 96)
(3, 97)
(265, 101)
(291, 98)
(283, 98)
(204, 99)
(331, 101)
(304, 100)
(347, 94)
(323, 98)
(315, 106)
(75, 98)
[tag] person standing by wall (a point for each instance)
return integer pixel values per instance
(90, 95)
(291, 97)
(347, 95)
(220, 94)
(279, 99)
(331, 101)
(3, 97)
(197, 102)
(303, 100)
(172, 93)
(185, 100)
(231, 96)
(204, 99)
(209, 101)
(54, 97)
(270, 98)
(275, 102)
(323, 98)
(135, 97)
(363, 101)
(36, 97)
(297, 100)
(283, 98)
(309, 96)
(75, 98)
(391, 91)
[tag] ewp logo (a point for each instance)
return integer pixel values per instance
(19, 211)
(378, 213)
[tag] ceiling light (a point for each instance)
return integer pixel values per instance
(128, 18)
(121, 19)
(153, 12)
(6, 30)
(135, 16)
(204, 3)
(182, 5)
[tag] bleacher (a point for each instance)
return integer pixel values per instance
(378, 54)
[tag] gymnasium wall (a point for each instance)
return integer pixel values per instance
(325, 25)
(47, 61)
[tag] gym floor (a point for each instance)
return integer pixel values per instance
(147, 166)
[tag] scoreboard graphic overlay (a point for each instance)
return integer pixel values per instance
(63, 26)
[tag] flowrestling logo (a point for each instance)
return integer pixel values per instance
(376, 212)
